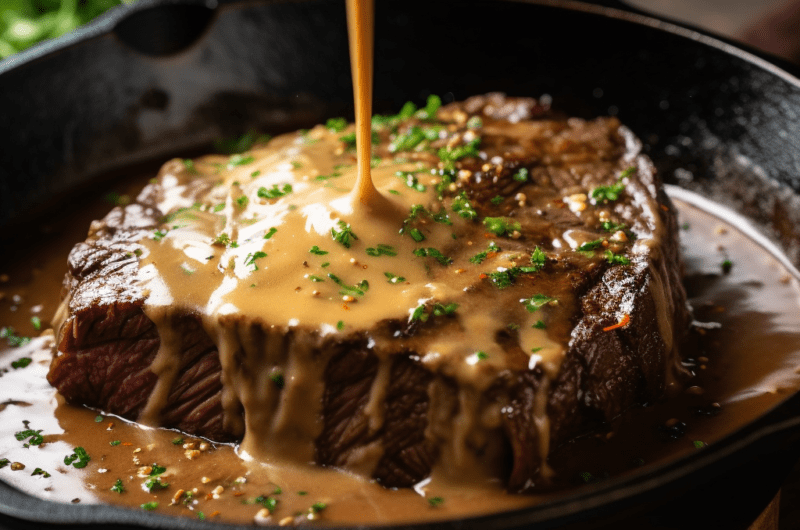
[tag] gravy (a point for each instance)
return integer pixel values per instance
(737, 379)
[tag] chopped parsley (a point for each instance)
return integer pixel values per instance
(616, 259)
(340, 325)
(501, 225)
(536, 302)
(521, 175)
(267, 502)
(189, 165)
(611, 193)
(408, 141)
(277, 378)
(450, 155)
(344, 234)
(79, 458)
(159, 234)
(433, 253)
(539, 325)
(431, 106)
(481, 355)
(33, 437)
(537, 349)
(610, 226)
(154, 483)
(224, 240)
(118, 487)
(255, 173)
(37, 322)
(726, 266)
(40, 471)
(98, 419)
(444, 310)
(699, 444)
(513, 326)
(14, 340)
(150, 506)
(22, 362)
(538, 259)
(359, 289)
(251, 258)
(155, 470)
(315, 278)
(219, 207)
(114, 443)
(318, 251)
(271, 232)
(336, 125)
(239, 160)
(382, 250)
(480, 256)
(422, 314)
(392, 278)
(4, 462)
(475, 122)
(590, 245)
(411, 180)
(275, 191)
(496, 200)
(242, 201)
(462, 206)
(177, 441)
(436, 501)
(318, 507)
(296, 164)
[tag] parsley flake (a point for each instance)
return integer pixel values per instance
(318, 251)
(275, 191)
(344, 234)
(536, 302)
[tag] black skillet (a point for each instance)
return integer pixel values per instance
(164, 76)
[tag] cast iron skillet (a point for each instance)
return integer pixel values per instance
(165, 76)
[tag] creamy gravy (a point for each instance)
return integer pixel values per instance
(737, 379)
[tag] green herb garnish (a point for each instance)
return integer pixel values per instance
(35, 437)
(480, 256)
(150, 506)
(382, 250)
(79, 458)
(22, 362)
(336, 125)
(616, 259)
(271, 232)
(433, 253)
(318, 251)
(536, 302)
(393, 278)
(277, 378)
(275, 191)
(501, 225)
(344, 235)
(118, 487)
(462, 206)
(251, 258)
(37, 322)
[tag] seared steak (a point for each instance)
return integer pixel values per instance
(561, 233)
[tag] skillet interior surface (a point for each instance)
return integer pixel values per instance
(131, 88)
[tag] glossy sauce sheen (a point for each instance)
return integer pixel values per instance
(738, 378)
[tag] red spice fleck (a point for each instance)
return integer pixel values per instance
(127, 443)
(626, 319)
(482, 276)
(214, 513)
(345, 307)
(664, 207)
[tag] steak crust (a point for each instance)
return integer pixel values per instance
(106, 345)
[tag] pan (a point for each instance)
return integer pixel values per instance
(169, 76)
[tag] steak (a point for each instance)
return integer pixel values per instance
(529, 227)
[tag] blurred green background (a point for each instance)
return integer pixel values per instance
(23, 23)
